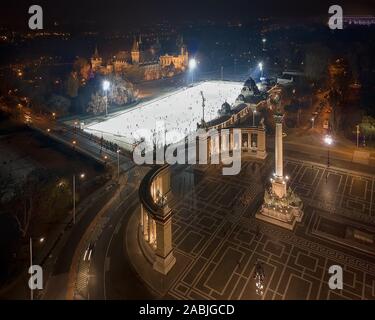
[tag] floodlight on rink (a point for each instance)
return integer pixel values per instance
(106, 85)
(192, 64)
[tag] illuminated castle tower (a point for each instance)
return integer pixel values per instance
(96, 60)
(281, 205)
(135, 52)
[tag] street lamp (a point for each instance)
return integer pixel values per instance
(82, 176)
(328, 141)
(118, 163)
(260, 65)
(31, 264)
(264, 40)
(312, 122)
(192, 66)
(259, 277)
(254, 112)
(41, 240)
(106, 85)
(357, 135)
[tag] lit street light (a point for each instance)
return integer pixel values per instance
(328, 141)
(192, 66)
(259, 277)
(260, 65)
(106, 85)
(41, 240)
(254, 113)
(82, 176)
(264, 40)
(118, 163)
(357, 135)
(312, 122)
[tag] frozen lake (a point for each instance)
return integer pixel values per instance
(170, 117)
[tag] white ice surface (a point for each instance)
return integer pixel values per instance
(178, 113)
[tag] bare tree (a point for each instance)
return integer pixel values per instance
(97, 104)
(5, 183)
(121, 91)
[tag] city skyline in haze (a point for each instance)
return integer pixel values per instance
(114, 14)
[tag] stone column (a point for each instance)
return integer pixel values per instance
(279, 185)
(142, 221)
(149, 220)
(279, 207)
(279, 147)
(165, 259)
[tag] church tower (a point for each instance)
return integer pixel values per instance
(135, 52)
(96, 60)
(184, 55)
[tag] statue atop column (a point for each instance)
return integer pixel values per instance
(281, 205)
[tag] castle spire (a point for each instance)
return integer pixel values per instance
(96, 52)
(135, 46)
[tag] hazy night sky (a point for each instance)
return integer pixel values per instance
(112, 13)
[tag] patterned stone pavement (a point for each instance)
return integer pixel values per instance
(215, 230)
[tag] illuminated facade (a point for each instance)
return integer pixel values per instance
(148, 63)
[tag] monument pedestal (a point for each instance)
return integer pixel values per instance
(279, 188)
(282, 211)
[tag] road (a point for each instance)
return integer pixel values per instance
(112, 277)
(81, 142)
(107, 245)
(101, 270)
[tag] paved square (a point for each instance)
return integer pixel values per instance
(215, 228)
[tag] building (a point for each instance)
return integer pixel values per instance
(96, 61)
(359, 20)
(143, 63)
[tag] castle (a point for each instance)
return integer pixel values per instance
(142, 63)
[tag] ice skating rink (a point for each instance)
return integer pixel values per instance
(170, 117)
